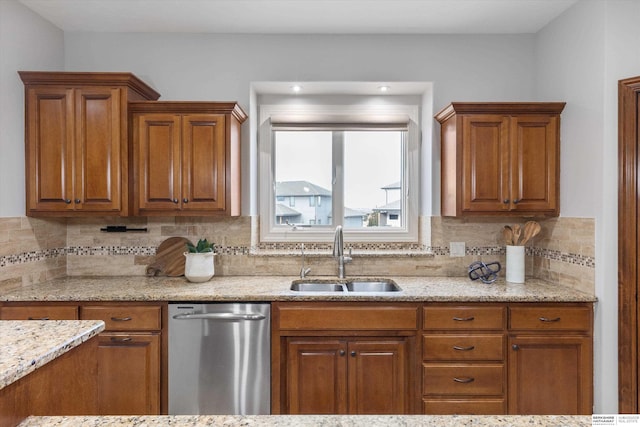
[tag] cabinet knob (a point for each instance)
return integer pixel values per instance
(77, 201)
(505, 201)
(353, 354)
(185, 200)
(175, 201)
(516, 201)
(515, 347)
(342, 352)
(67, 201)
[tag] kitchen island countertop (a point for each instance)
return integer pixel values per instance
(27, 345)
(276, 288)
(314, 420)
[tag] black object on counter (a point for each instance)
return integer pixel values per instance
(488, 273)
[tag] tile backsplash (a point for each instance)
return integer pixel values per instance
(34, 250)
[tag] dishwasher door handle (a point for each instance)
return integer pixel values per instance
(221, 316)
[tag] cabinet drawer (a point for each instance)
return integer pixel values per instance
(125, 318)
(464, 317)
(463, 347)
(316, 317)
(39, 312)
(463, 379)
(560, 318)
(474, 406)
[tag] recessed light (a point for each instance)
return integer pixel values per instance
(384, 88)
(296, 88)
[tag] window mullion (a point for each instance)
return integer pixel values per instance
(338, 177)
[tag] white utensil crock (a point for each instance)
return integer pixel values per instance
(199, 267)
(515, 264)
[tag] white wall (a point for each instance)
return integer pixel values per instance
(27, 42)
(221, 67)
(580, 57)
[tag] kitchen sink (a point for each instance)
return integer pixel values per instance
(348, 285)
(372, 286)
(317, 287)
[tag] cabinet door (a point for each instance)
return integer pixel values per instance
(98, 150)
(550, 375)
(534, 163)
(316, 376)
(158, 162)
(378, 377)
(485, 163)
(203, 165)
(49, 149)
(128, 374)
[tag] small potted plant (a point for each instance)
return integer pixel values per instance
(199, 266)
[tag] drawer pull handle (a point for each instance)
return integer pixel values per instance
(38, 318)
(546, 319)
(121, 319)
(463, 319)
(116, 339)
(458, 348)
(466, 380)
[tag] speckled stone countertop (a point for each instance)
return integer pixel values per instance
(27, 345)
(314, 420)
(276, 288)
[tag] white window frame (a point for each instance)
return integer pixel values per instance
(343, 114)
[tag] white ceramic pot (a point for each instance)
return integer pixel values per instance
(199, 267)
(515, 264)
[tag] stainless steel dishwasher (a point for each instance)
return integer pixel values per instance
(219, 359)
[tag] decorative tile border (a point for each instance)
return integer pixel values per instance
(390, 249)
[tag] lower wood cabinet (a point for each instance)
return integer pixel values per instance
(551, 360)
(343, 376)
(337, 358)
(128, 373)
(130, 352)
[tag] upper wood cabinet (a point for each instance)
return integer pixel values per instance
(76, 141)
(186, 158)
(500, 158)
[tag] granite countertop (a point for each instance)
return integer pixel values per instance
(29, 344)
(314, 420)
(276, 288)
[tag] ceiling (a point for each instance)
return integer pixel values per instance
(302, 16)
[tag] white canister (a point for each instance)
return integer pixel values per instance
(515, 264)
(199, 267)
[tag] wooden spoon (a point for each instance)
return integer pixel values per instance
(531, 229)
(516, 234)
(507, 234)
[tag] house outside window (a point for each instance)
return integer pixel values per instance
(356, 170)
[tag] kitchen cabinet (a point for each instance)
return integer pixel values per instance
(76, 141)
(463, 353)
(129, 357)
(186, 158)
(500, 158)
(551, 359)
(335, 358)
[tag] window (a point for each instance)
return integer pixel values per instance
(358, 171)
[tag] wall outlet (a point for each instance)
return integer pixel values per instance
(457, 249)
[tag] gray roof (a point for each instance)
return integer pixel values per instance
(393, 206)
(300, 188)
(395, 186)
(282, 210)
(350, 213)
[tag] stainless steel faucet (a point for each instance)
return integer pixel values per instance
(303, 271)
(338, 251)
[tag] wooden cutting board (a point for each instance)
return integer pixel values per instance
(170, 258)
